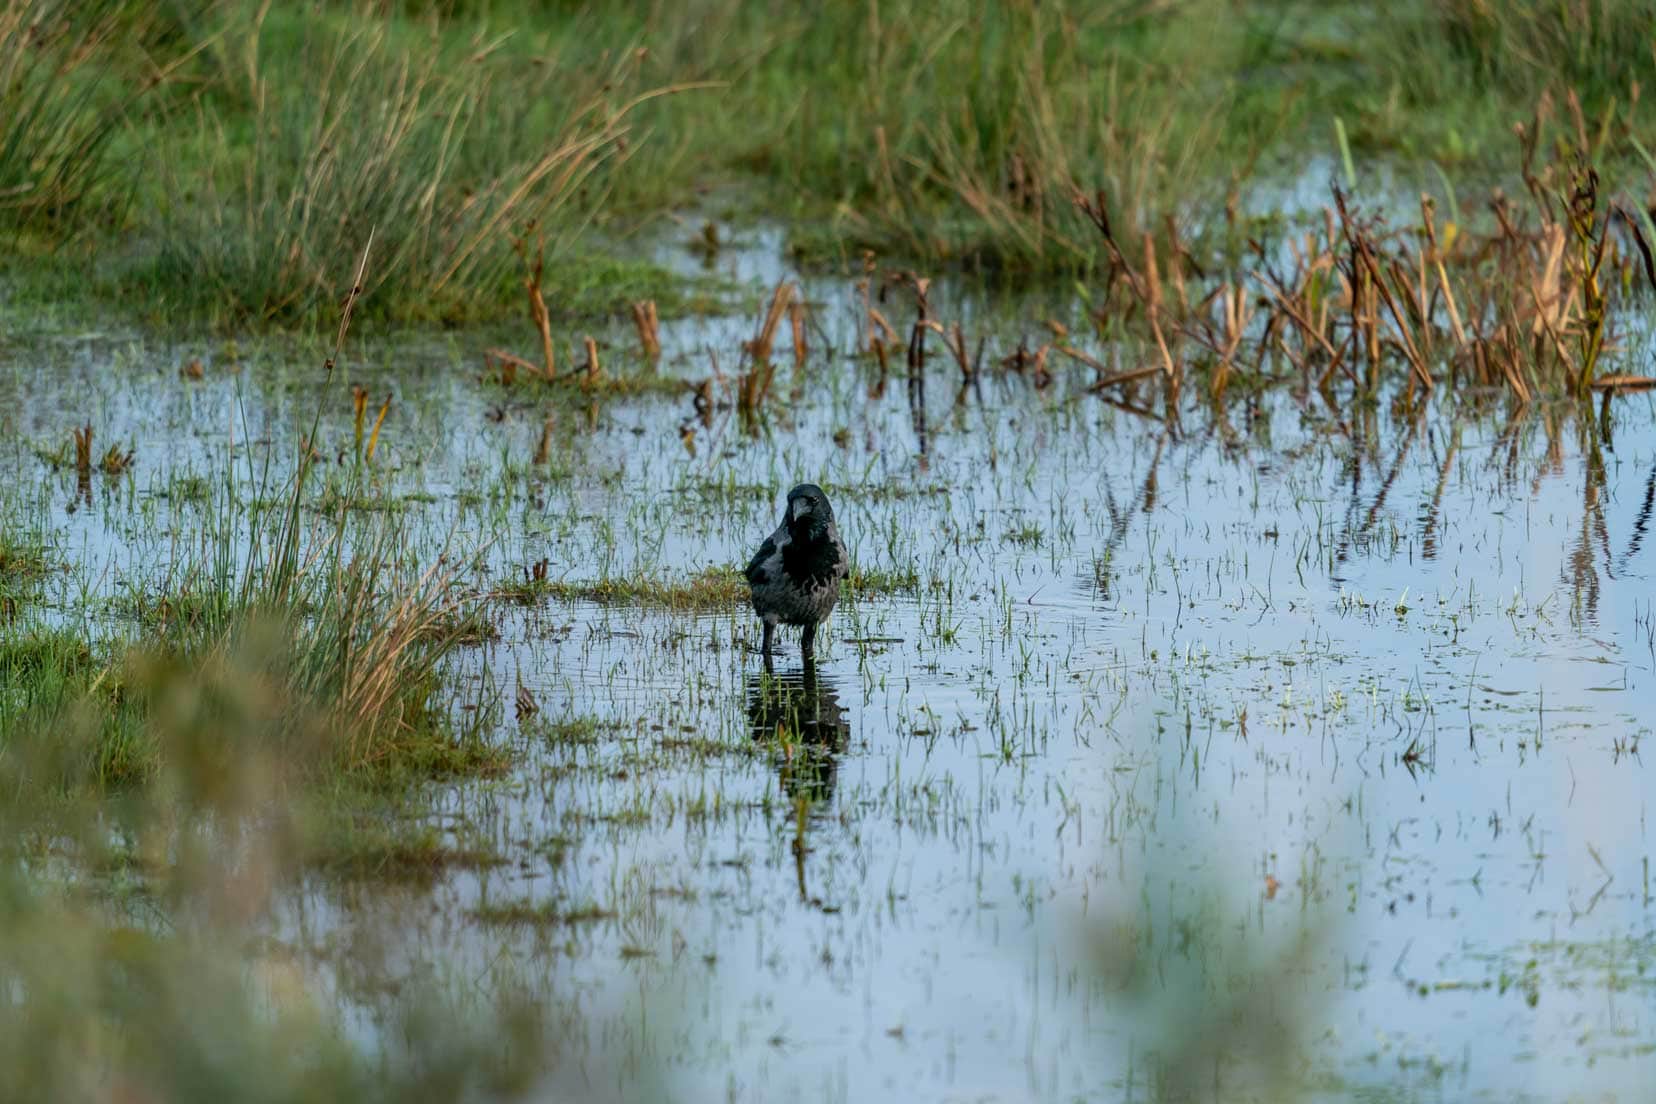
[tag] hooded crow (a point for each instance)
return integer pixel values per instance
(795, 576)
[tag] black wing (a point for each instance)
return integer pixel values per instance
(756, 567)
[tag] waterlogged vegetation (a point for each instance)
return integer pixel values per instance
(1239, 420)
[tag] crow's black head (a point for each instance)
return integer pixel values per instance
(808, 509)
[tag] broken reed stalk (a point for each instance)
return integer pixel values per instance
(917, 336)
(1237, 316)
(1145, 287)
(887, 332)
(1038, 371)
(1073, 353)
(592, 372)
(508, 365)
(1428, 217)
(753, 388)
(1022, 361)
(648, 326)
(1367, 274)
(1153, 309)
(83, 451)
(115, 461)
(760, 347)
(542, 319)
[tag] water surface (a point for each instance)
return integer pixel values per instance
(1298, 737)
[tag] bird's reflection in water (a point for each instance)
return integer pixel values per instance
(800, 717)
(800, 714)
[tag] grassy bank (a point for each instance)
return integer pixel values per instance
(222, 160)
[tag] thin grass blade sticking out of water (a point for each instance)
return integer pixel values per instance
(286, 565)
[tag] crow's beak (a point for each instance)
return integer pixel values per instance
(800, 507)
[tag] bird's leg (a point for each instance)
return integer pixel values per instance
(807, 642)
(770, 635)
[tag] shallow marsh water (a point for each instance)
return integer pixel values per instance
(1289, 749)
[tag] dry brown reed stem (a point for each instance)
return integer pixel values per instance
(1098, 366)
(508, 365)
(1152, 274)
(753, 388)
(1145, 287)
(1294, 308)
(1362, 251)
(955, 341)
(359, 413)
(83, 451)
(1039, 371)
(1428, 217)
(1169, 369)
(592, 371)
(648, 326)
(115, 461)
(796, 320)
(543, 451)
(863, 290)
(1034, 365)
(373, 436)
(1119, 378)
(1621, 381)
(1175, 263)
(1554, 304)
(1237, 316)
(917, 336)
(887, 333)
(760, 347)
(542, 319)
(1509, 368)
